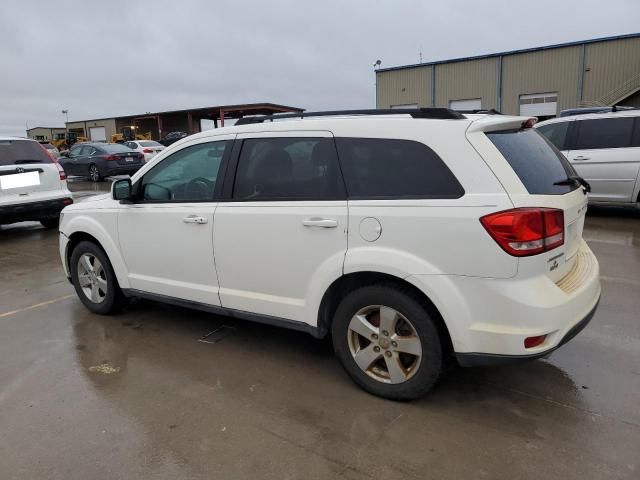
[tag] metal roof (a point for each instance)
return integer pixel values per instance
(512, 52)
(250, 108)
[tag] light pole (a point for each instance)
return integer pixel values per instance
(66, 116)
(376, 65)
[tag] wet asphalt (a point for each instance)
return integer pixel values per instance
(141, 396)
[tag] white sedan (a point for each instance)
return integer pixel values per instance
(149, 148)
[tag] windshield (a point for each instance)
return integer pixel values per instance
(535, 160)
(21, 152)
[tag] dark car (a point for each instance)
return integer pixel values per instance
(99, 160)
(173, 137)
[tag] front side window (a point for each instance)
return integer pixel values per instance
(189, 175)
(556, 133)
(604, 133)
(389, 168)
(287, 169)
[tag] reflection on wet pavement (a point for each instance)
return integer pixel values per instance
(138, 396)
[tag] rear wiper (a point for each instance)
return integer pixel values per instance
(21, 162)
(573, 179)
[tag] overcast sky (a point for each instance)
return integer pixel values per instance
(108, 57)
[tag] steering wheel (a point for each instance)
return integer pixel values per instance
(199, 187)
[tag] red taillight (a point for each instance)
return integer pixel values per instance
(531, 342)
(61, 172)
(529, 123)
(526, 231)
(111, 157)
(147, 150)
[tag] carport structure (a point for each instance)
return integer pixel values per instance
(189, 121)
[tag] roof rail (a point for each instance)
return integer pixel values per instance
(434, 113)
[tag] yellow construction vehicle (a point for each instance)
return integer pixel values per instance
(127, 135)
(64, 141)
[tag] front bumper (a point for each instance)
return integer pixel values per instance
(37, 210)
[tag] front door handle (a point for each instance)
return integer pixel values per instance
(320, 222)
(194, 219)
(580, 158)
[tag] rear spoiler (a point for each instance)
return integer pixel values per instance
(502, 122)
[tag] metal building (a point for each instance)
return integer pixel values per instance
(44, 134)
(537, 81)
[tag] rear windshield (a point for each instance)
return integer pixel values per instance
(150, 144)
(114, 148)
(535, 160)
(22, 152)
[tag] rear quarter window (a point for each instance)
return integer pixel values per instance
(388, 168)
(535, 160)
(21, 152)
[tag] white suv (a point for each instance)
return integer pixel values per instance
(604, 148)
(411, 238)
(33, 186)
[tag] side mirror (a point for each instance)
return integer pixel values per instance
(121, 190)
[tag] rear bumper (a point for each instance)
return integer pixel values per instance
(121, 169)
(489, 318)
(489, 359)
(37, 210)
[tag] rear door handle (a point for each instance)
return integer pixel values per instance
(194, 219)
(320, 222)
(580, 158)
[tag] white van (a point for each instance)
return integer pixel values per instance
(604, 148)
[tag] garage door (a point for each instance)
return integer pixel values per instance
(539, 104)
(468, 104)
(98, 134)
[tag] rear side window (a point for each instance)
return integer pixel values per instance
(604, 133)
(635, 140)
(535, 160)
(21, 152)
(288, 169)
(389, 168)
(556, 133)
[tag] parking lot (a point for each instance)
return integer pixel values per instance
(147, 394)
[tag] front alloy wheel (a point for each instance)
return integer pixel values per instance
(92, 278)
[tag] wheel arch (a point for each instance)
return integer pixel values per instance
(352, 281)
(93, 232)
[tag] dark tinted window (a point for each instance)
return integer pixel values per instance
(635, 141)
(382, 168)
(604, 133)
(556, 133)
(189, 174)
(288, 169)
(535, 160)
(21, 152)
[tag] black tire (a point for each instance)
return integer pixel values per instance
(431, 365)
(113, 299)
(94, 173)
(52, 222)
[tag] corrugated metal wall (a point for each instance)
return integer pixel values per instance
(402, 87)
(555, 70)
(608, 65)
(467, 80)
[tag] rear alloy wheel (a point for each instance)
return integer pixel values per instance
(387, 342)
(94, 173)
(94, 279)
